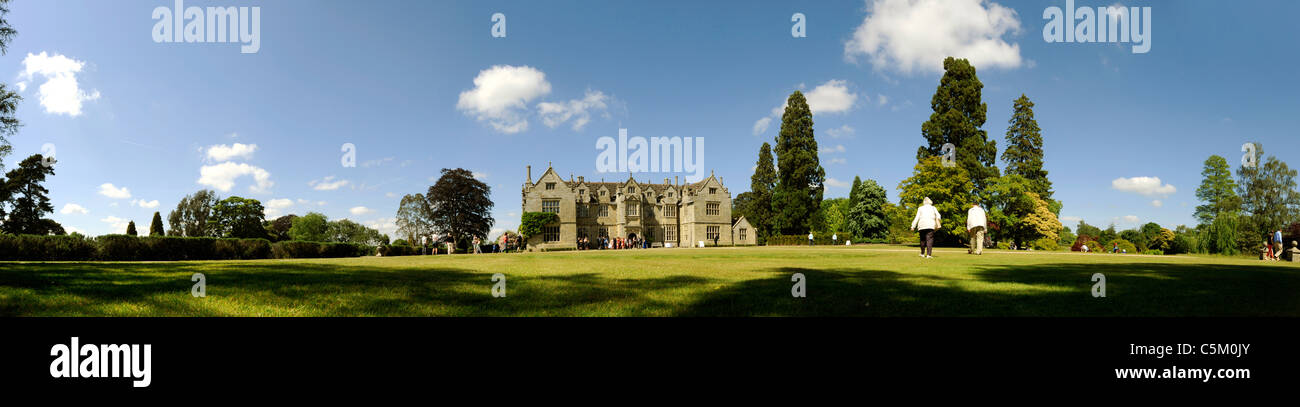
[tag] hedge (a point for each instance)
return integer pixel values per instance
(165, 248)
(818, 239)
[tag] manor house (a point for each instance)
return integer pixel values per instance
(666, 215)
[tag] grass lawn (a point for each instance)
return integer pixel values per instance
(841, 281)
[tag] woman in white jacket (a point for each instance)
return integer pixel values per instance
(927, 220)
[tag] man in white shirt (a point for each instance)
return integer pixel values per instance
(976, 223)
(810, 239)
(927, 220)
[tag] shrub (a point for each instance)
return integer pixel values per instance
(1046, 244)
(1124, 246)
(1154, 252)
(46, 248)
(118, 247)
(802, 240)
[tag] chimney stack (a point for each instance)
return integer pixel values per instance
(530, 174)
(581, 179)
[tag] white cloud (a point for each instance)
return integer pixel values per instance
(387, 226)
(71, 208)
(1070, 219)
(882, 100)
(579, 110)
(60, 93)
(761, 125)
(108, 190)
(916, 35)
(145, 204)
(832, 182)
(360, 210)
(222, 152)
(390, 195)
(831, 97)
(117, 224)
(828, 98)
(1157, 203)
(479, 175)
(501, 95)
(838, 161)
(1147, 186)
(841, 132)
(838, 148)
(327, 184)
(72, 230)
(222, 176)
(1131, 219)
(276, 207)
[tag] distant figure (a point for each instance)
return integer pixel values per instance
(478, 247)
(927, 220)
(835, 239)
(1084, 248)
(1115, 249)
(1269, 254)
(810, 239)
(976, 223)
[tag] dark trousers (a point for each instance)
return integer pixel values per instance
(927, 242)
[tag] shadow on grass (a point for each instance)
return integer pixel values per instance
(1138, 289)
(317, 289)
(325, 289)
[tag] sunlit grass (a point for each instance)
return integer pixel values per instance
(866, 281)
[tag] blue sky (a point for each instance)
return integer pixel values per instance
(398, 81)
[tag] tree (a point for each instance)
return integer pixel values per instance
(762, 184)
(1011, 201)
(832, 216)
(741, 205)
(959, 112)
(1108, 235)
(278, 229)
(800, 178)
(1269, 199)
(28, 201)
(237, 217)
(1085, 229)
(190, 218)
(1024, 153)
(1221, 236)
(460, 205)
(531, 223)
(155, 225)
(868, 218)
(412, 218)
(130, 229)
(1042, 223)
(9, 99)
(948, 187)
(312, 227)
(1067, 237)
(1217, 190)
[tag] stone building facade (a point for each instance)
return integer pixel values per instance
(670, 214)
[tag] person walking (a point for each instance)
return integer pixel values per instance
(478, 248)
(927, 220)
(976, 223)
(835, 239)
(810, 238)
(1277, 245)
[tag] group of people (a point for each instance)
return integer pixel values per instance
(617, 243)
(928, 220)
(1273, 246)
